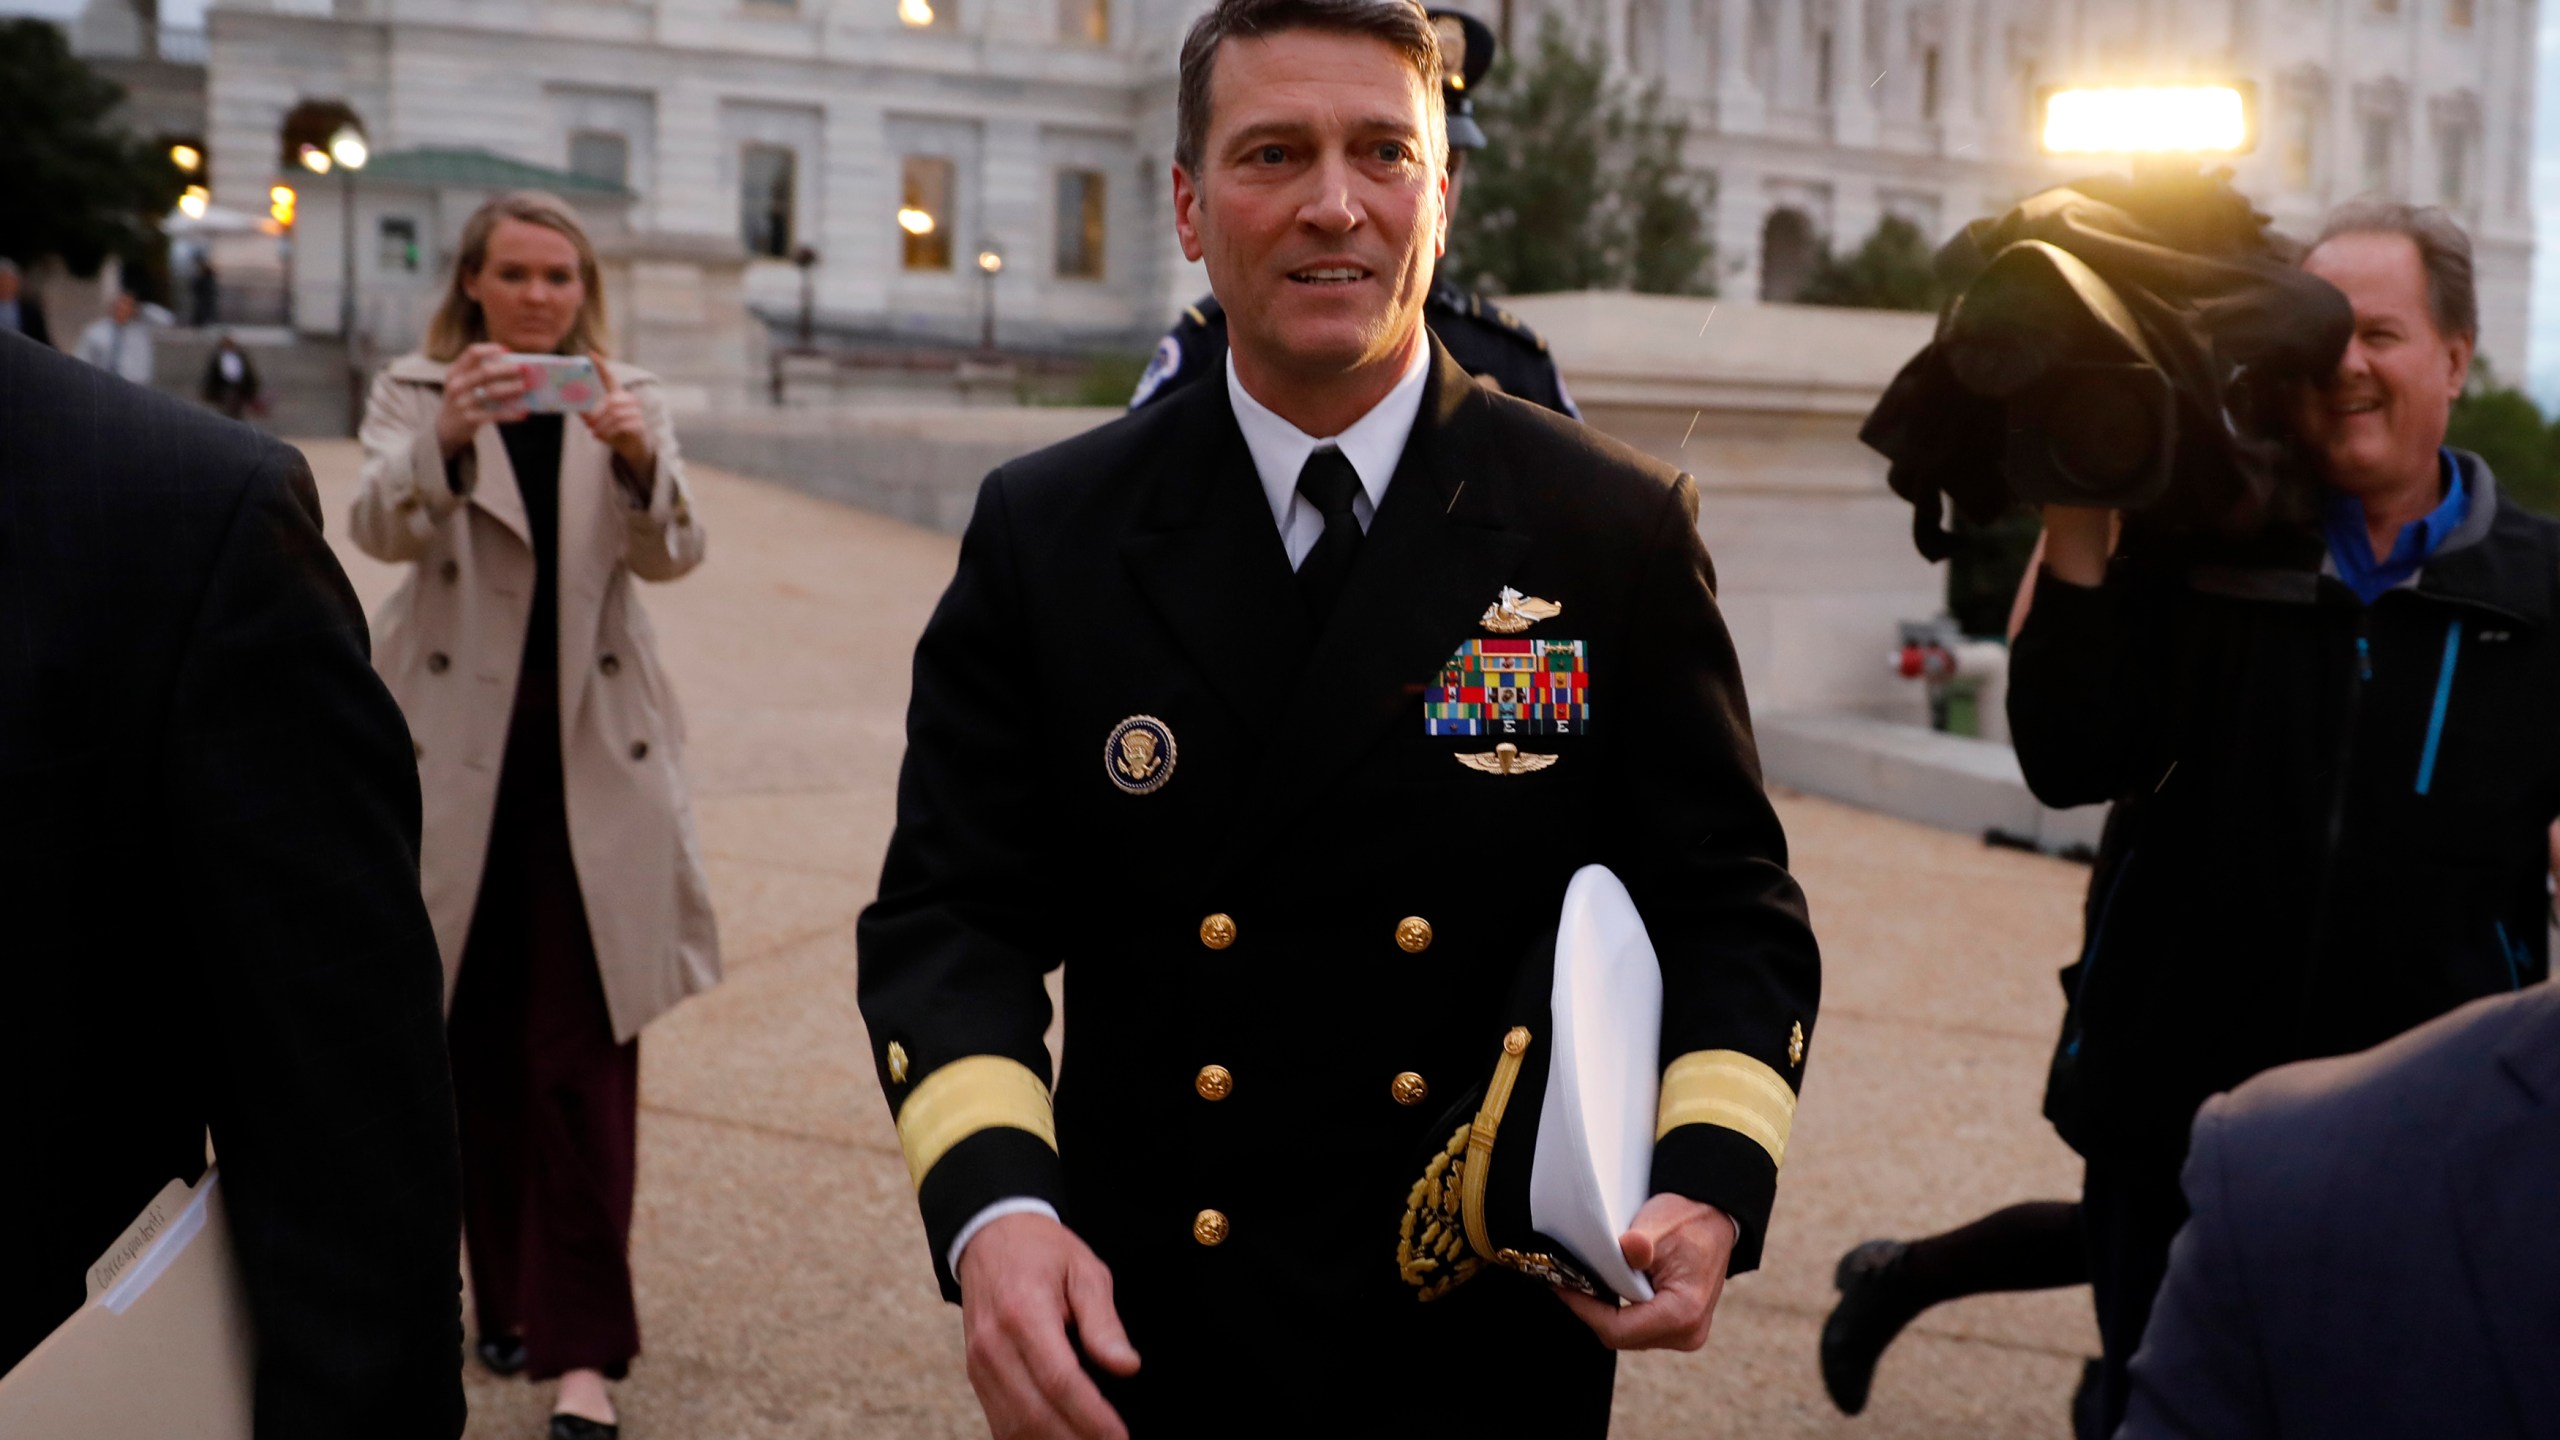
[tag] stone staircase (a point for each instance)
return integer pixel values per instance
(303, 379)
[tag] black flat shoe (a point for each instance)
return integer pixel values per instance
(503, 1355)
(1874, 1306)
(579, 1427)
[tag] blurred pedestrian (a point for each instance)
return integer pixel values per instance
(565, 879)
(208, 861)
(2371, 1251)
(204, 291)
(231, 380)
(2332, 776)
(120, 341)
(20, 312)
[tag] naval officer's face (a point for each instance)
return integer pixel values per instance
(1319, 203)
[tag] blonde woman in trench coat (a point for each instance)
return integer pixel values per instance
(559, 859)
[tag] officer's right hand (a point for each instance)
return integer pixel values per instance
(1023, 1280)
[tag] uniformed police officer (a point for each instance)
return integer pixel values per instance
(1490, 342)
(1281, 713)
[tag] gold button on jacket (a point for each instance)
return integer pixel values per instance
(1409, 1088)
(1218, 931)
(1216, 1082)
(1209, 1227)
(1413, 934)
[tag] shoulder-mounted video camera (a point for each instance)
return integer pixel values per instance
(2118, 343)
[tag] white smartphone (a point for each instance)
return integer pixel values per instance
(555, 384)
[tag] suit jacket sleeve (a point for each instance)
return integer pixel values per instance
(1703, 857)
(2201, 1374)
(294, 849)
(951, 951)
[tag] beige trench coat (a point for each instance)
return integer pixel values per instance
(449, 643)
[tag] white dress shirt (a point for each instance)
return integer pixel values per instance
(1374, 444)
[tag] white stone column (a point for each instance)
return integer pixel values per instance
(1853, 109)
(1959, 104)
(1684, 69)
(1739, 105)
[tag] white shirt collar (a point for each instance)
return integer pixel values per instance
(1373, 445)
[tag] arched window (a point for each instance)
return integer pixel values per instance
(1790, 251)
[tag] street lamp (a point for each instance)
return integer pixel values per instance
(990, 265)
(348, 150)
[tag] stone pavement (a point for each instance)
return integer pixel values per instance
(783, 1283)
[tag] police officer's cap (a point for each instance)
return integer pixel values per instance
(1466, 57)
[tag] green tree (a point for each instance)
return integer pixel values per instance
(1668, 248)
(2504, 427)
(1576, 192)
(1894, 270)
(77, 189)
(1534, 217)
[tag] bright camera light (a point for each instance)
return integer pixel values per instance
(348, 149)
(186, 157)
(915, 221)
(193, 203)
(315, 160)
(2147, 120)
(918, 13)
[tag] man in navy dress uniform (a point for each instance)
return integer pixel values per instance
(1280, 713)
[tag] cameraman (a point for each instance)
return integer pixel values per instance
(2332, 789)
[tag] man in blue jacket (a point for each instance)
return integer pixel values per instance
(2333, 781)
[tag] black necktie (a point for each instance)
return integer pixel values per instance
(1329, 482)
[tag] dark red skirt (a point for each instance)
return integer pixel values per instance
(549, 1104)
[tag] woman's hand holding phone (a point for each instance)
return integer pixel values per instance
(482, 387)
(624, 427)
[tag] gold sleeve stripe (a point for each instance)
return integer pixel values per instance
(1728, 1088)
(974, 1093)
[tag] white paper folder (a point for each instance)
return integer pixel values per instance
(162, 1350)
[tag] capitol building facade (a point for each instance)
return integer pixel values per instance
(900, 140)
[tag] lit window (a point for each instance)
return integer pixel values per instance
(2457, 13)
(2453, 165)
(766, 187)
(398, 245)
(600, 155)
(1079, 225)
(924, 211)
(2377, 154)
(1085, 20)
(2296, 146)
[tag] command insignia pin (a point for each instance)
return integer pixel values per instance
(1513, 612)
(1139, 755)
(1506, 759)
(1795, 1044)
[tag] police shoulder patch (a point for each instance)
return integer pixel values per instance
(1161, 366)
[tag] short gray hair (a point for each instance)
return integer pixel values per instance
(2444, 253)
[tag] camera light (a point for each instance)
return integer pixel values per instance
(2147, 120)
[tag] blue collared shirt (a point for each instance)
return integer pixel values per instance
(2351, 545)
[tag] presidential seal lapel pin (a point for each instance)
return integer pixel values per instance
(1512, 612)
(1506, 759)
(1139, 755)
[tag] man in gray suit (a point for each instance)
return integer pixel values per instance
(2373, 1249)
